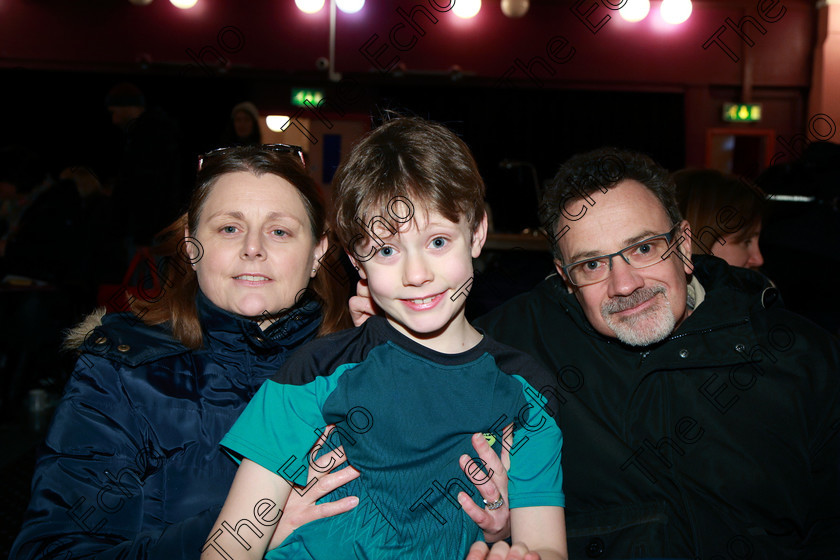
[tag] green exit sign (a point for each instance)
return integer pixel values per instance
(734, 112)
(299, 95)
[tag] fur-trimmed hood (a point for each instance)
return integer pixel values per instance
(75, 337)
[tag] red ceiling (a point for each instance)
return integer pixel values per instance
(273, 35)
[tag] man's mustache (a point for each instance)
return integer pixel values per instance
(620, 303)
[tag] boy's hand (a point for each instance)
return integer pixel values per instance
(362, 305)
(300, 510)
(495, 523)
(501, 551)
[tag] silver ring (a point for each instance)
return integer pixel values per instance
(496, 504)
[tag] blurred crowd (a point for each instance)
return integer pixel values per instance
(68, 234)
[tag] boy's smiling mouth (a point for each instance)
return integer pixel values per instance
(420, 304)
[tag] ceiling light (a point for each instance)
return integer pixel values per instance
(515, 8)
(277, 123)
(350, 6)
(635, 10)
(466, 8)
(309, 6)
(675, 11)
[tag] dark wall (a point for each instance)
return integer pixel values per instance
(63, 115)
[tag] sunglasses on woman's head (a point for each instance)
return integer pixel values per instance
(279, 148)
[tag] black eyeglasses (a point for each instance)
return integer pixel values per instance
(279, 148)
(641, 254)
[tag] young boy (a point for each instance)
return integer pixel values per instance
(406, 391)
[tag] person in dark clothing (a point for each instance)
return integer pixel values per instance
(45, 269)
(146, 192)
(701, 418)
(58, 238)
(815, 180)
(46, 244)
(243, 128)
(23, 177)
(704, 415)
(131, 466)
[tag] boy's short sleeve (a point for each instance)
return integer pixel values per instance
(536, 474)
(279, 427)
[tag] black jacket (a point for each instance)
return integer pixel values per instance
(720, 442)
(132, 467)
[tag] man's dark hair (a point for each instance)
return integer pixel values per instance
(600, 170)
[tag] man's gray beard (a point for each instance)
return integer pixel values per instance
(628, 330)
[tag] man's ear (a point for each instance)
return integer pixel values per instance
(684, 233)
(479, 237)
(318, 253)
(559, 267)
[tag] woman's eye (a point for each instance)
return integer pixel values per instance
(229, 229)
(280, 232)
(438, 242)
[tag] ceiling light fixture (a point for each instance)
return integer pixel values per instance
(635, 10)
(675, 11)
(466, 8)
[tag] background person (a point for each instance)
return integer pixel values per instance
(805, 231)
(45, 269)
(725, 214)
(243, 129)
(146, 193)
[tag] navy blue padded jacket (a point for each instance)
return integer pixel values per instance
(132, 466)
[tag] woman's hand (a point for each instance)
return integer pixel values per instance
(362, 305)
(301, 509)
(495, 523)
(501, 551)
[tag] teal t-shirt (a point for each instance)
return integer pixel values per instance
(404, 414)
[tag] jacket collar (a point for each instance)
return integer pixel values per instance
(732, 294)
(226, 330)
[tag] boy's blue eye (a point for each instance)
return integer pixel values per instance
(438, 242)
(386, 251)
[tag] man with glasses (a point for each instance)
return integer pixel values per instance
(700, 418)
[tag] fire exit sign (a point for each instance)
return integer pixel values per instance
(300, 95)
(734, 112)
